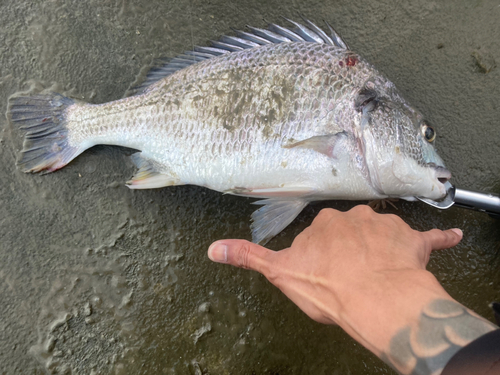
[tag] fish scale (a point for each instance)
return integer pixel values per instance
(288, 115)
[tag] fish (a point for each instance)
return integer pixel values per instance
(285, 115)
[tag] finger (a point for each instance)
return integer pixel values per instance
(241, 253)
(443, 239)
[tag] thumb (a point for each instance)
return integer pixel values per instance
(241, 253)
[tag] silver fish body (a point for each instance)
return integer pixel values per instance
(293, 122)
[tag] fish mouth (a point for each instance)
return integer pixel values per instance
(442, 174)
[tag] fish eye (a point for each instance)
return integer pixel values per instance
(428, 132)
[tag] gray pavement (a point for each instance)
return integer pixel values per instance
(97, 279)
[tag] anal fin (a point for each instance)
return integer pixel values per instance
(149, 175)
(274, 216)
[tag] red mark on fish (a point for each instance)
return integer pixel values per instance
(351, 60)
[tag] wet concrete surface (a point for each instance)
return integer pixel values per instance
(96, 278)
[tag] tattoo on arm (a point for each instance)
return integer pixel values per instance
(443, 329)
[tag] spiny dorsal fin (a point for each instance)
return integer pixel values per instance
(254, 38)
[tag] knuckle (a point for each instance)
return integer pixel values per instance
(448, 239)
(243, 255)
(426, 239)
(436, 234)
(324, 214)
(327, 212)
(363, 209)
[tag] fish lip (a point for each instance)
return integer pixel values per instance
(442, 174)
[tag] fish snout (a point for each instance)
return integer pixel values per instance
(442, 174)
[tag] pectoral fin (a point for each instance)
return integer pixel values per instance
(149, 175)
(324, 144)
(274, 216)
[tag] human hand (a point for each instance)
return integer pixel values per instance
(361, 270)
(338, 254)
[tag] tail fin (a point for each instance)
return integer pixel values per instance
(46, 145)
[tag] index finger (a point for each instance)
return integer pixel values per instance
(443, 239)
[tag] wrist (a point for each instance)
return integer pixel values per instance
(396, 300)
(415, 326)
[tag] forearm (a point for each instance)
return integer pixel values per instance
(420, 332)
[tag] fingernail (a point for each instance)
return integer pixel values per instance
(217, 252)
(458, 231)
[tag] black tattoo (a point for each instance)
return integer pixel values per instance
(444, 328)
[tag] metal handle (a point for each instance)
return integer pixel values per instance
(488, 203)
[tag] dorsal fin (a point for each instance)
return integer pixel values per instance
(254, 38)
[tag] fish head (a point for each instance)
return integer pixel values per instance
(398, 145)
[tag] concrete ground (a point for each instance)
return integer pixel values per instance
(96, 278)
